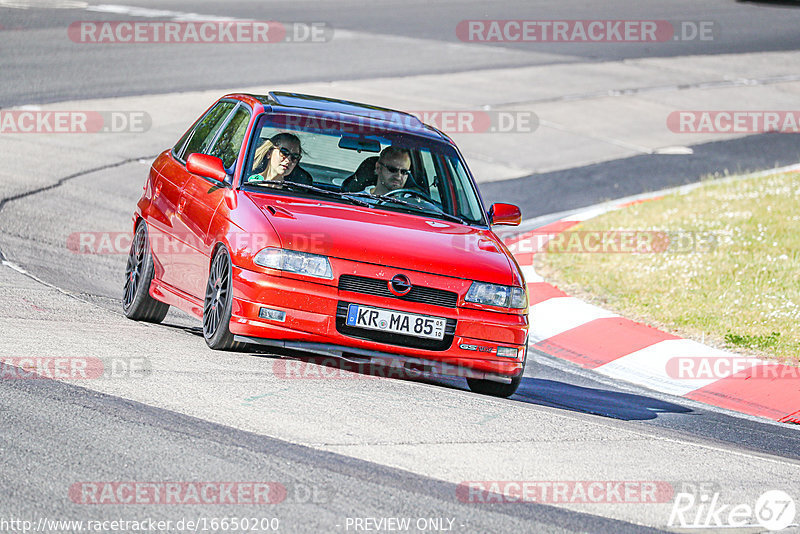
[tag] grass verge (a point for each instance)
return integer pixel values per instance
(719, 264)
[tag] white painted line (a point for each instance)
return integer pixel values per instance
(674, 150)
(23, 272)
(590, 213)
(136, 11)
(559, 314)
(659, 366)
(43, 4)
(613, 204)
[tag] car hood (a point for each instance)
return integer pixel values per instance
(388, 238)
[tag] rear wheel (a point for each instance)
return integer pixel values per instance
(137, 304)
(218, 303)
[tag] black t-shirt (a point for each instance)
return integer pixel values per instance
(300, 176)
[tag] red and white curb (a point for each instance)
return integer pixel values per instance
(594, 338)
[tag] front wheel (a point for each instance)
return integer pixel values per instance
(496, 389)
(137, 304)
(218, 303)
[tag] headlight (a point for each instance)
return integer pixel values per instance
(496, 295)
(295, 262)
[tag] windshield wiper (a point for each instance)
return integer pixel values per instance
(295, 186)
(417, 208)
(355, 198)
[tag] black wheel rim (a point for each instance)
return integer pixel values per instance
(133, 271)
(216, 294)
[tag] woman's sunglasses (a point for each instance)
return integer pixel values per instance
(293, 156)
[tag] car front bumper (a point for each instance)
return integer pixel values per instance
(310, 324)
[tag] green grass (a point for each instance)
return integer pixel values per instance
(753, 342)
(729, 275)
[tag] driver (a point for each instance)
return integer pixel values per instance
(391, 171)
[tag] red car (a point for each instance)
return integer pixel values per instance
(335, 228)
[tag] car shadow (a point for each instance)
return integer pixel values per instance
(595, 401)
(777, 3)
(543, 392)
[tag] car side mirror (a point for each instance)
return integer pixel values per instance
(507, 214)
(207, 166)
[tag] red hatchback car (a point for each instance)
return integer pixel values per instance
(335, 228)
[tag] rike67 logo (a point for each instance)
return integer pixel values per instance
(774, 510)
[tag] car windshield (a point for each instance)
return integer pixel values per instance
(340, 161)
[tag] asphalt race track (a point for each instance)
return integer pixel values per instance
(354, 452)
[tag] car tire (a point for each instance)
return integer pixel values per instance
(496, 389)
(218, 303)
(137, 304)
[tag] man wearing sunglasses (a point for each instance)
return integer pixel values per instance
(391, 171)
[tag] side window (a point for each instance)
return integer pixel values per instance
(467, 204)
(201, 136)
(230, 140)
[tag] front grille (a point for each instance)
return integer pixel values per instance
(380, 288)
(391, 338)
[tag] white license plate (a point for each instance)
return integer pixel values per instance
(409, 324)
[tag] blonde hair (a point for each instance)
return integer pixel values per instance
(261, 152)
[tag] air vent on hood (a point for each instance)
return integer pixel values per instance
(278, 211)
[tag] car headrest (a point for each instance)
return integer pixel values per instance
(362, 178)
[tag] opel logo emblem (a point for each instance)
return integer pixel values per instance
(399, 285)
